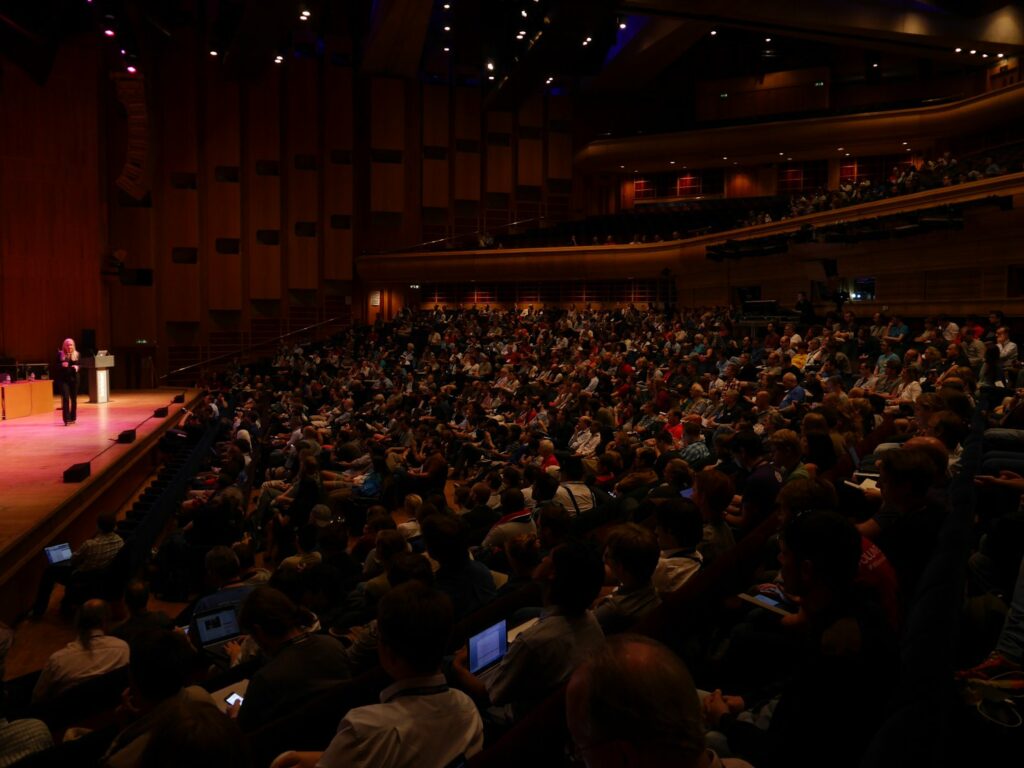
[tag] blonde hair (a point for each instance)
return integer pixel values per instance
(64, 350)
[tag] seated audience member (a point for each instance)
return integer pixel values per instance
(712, 493)
(140, 618)
(907, 525)
(515, 521)
(306, 550)
(784, 445)
(543, 656)
(160, 664)
(467, 582)
(91, 557)
(554, 526)
(420, 722)
(480, 517)
(841, 659)
(361, 642)
(23, 737)
(695, 451)
(91, 654)
(633, 704)
(761, 485)
(630, 557)
(195, 734)
(573, 493)
(680, 530)
(224, 579)
(299, 665)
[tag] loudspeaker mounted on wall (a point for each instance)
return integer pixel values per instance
(76, 473)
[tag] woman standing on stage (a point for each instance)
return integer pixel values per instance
(68, 378)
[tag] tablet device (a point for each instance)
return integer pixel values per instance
(58, 553)
(488, 647)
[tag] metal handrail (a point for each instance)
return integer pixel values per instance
(251, 347)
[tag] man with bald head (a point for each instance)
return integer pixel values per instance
(633, 704)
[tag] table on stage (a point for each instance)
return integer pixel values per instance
(25, 398)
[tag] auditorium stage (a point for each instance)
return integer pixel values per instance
(38, 508)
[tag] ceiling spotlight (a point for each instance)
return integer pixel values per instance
(847, 154)
(108, 32)
(447, 29)
(767, 39)
(446, 49)
(714, 32)
(522, 33)
(586, 42)
(447, 6)
(789, 158)
(781, 154)
(123, 52)
(131, 70)
(839, 149)
(490, 66)
(622, 25)
(213, 52)
(984, 55)
(621, 167)
(999, 55)
(908, 149)
(278, 59)
(524, 13)
(304, 16)
(725, 157)
(550, 80)
(973, 51)
(875, 65)
(490, 77)
(957, 50)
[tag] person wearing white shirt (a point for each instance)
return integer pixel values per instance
(679, 529)
(420, 722)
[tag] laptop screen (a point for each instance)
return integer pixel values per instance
(58, 553)
(488, 647)
(217, 626)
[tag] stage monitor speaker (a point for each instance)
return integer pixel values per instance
(76, 473)
(161, 412)
(179, 398)
(127, 436)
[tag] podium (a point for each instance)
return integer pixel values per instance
(99, 377)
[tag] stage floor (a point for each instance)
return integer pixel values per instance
(35, 451)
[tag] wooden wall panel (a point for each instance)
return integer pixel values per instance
(499, 169)
(531, 113)
(387, 113)
(339, 177)
(467, 113)
(436, 125)
(467, 176)
(387, 187)
(302, 183)
(559, 156)
(179, 284)
(221, 192)
(530, 163)
(435, 183)
(263, 189)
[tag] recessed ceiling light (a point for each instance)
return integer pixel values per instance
(875, 65)
(984, 55)
(278, 59)
(447, 29)
(131, 70)
(789, 158)
(447, 6)
(839, 149)
(908, 149)
(957, 50)
(524, 13)
(904, 143)
(847, 154)
(446, 49)
(490, 66)
(622, 25)
(781, 154)
(767, 39)
(621, 167)
(973, 51)
(714, 32)
(725, 157)
(671, 162)
(490, 77)
(213, 53)
(999, 55)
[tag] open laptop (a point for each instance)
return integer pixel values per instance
(488, 648)
(58, 553)
(216, 628)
